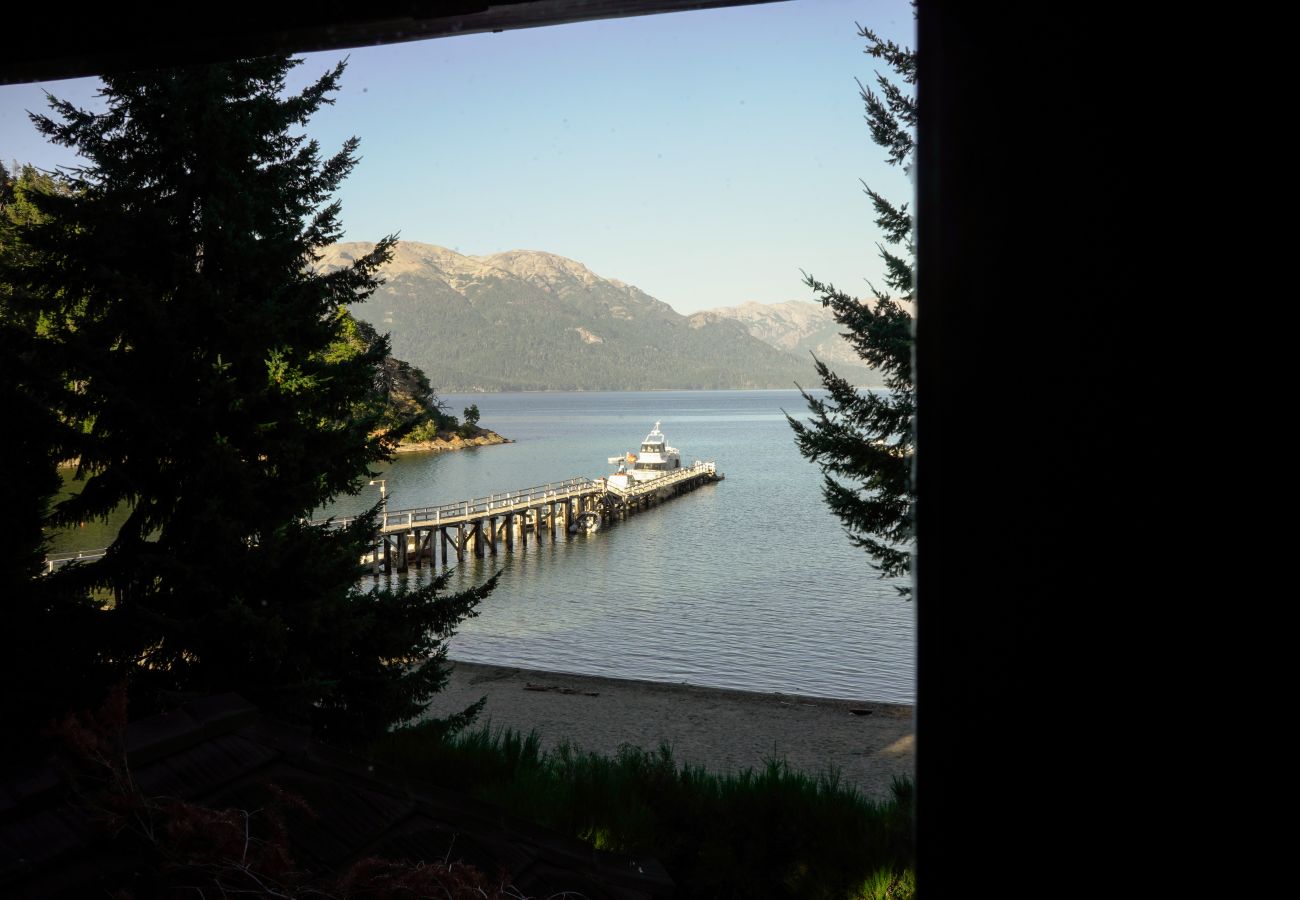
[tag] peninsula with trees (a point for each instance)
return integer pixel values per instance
(404, 404)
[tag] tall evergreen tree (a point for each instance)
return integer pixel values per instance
(49, 658)
(864, 441)
(198, 347)
(30, 448)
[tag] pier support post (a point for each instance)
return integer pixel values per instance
(510, 531)
(492, 535)
(478, 539)
(460, 542)
(550, 520)
(401, 550)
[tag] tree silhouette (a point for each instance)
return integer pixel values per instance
(197, 347)
(864, 441)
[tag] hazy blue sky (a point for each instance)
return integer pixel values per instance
(705, 157)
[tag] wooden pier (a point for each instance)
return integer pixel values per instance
(481, 527)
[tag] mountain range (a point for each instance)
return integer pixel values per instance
(800, 327)
(529, 320)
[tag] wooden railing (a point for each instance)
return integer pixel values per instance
(58, 560)
(504, 502)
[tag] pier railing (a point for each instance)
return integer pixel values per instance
(506, 501)
(59, 560)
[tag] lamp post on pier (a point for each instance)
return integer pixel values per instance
(383, 498)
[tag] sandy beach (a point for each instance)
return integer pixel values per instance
(725, 730)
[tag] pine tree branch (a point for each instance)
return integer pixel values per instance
(864, 441)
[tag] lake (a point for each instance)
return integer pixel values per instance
(749, 583)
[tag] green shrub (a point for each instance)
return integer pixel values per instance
(425, 431)
(773, 832)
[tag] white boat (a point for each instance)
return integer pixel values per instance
(655, 460)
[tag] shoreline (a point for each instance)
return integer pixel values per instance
(724, 730)
(488, 438)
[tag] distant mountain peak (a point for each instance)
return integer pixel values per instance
(540, 264)
(795, 326)
(408, 257)
(412, 256)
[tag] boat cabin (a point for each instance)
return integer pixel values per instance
(655, 460)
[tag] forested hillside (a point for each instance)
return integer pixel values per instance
(527, 320)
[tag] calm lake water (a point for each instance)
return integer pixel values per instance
(749, 583)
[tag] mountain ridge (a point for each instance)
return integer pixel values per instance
(534, 320)
(795, 326)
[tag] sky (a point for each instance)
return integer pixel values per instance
(706, 157)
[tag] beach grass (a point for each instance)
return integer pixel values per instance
(758, 833)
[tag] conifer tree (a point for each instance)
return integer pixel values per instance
(864, 441)
(30, 448)
(48, 650)
(197, 346)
